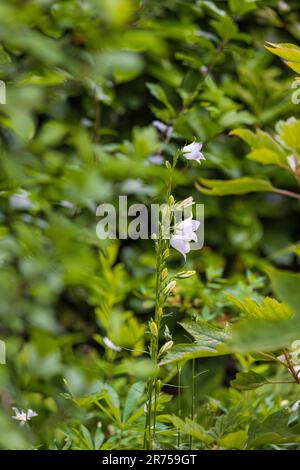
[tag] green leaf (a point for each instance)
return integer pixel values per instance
(234, 440)
(286, 286)
(159, 93)
(289, 52)
(289, 133)
(248, 380)
(286, 51)
(225, 28)
(269, 309)
(133, 398)
(264, 148)
(263, 335)
(241, 7)
(268, 157)
(243, 185)
(209, 341)
(205, 333)
(272, 430)
(191, 428)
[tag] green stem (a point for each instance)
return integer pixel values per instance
(179, 405)
(193, 398)
(162, 247)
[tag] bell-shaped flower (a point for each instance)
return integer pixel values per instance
(184, 233)
(192, 151)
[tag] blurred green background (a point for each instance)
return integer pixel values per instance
(84, 80)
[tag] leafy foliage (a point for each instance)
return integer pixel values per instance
(84, 81)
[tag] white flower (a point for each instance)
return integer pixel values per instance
(296, 405)
(23, 416)
(156, 159)
(163, 128)
(21, 200)
(111, 345)
(192, 151)
(184, 233)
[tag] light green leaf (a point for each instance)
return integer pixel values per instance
(243, 185)
(289, 133)
(286, 51)
(234, 440)
(268, 157)
(191, 428)
(286, 286)
(269, 309)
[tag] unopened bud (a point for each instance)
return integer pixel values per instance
(188, 202)
(185, 274)
(165, 348)
(171, 200)
(171, 286)
(153, 328)
(164, 273)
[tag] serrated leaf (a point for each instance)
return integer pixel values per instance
(272, 430)
(209, 341)
(269, 309)
(193, 429)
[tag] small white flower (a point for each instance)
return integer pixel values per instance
(21, 200)
(192, 151)
(23, 416)
(296, 405)
(163, 128)
(111, 345)
(156, 159)
(184, 233)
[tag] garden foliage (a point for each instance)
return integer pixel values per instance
(91, 344)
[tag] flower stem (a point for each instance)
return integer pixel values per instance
(193, 398)
(179, 405)
(162, 246)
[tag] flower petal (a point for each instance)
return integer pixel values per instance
(180, 244)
